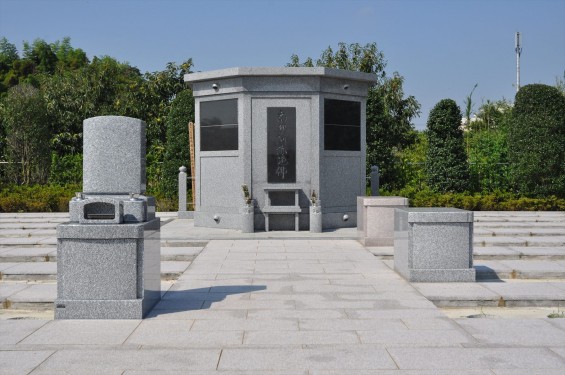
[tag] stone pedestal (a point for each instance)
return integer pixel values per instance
(107, 271)
(315, 219)
(434, 244)
(247, 219)
(375, 219)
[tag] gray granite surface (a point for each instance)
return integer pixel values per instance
(434, 245)
(114, 155)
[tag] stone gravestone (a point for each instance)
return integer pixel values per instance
(108, 255)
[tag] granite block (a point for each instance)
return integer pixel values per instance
(97, 269)
(375, 219)
(434, 246)
(114, 155)
(108, 271)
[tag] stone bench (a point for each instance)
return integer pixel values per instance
(434, 244)
(269, 209)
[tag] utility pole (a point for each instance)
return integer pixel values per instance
(518, 50)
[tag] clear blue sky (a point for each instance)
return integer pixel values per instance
(441, 47)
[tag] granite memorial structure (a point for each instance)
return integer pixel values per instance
(285, 133)
(434, 244)
(108, 255)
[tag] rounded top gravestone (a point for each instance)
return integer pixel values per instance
(113, 155)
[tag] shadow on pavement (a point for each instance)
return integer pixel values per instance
(200, 298)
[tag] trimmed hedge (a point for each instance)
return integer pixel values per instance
(446, 160)
(37, 198)
(55, 198)
(498, 201)
(536, 143)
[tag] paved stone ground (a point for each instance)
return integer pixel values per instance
(286, 307)
(292, 306)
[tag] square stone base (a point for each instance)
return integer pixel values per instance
(441, 276)
(99, 309)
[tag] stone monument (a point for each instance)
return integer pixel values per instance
(108, 255)
(283, 132)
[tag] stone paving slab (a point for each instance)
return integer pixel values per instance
(513, 332)
(180, 253)
(14, 331)
(22, 361)
(476, 358)
(82, 332)
(301, 359)
(104, 361)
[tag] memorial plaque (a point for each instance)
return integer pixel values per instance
(281, 144)
(218, 125)
(342, 125)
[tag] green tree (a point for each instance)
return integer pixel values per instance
(27, 131)
(42, 55)
(389, 112)
(446, 161)
(67, 56)
(177, 151)
(537, 141)
(8, 54)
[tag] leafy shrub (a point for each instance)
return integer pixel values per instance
(536, 142)
(497, 201)
(37, 198)
(177, 150)
(66, 169)
(55, 198)
(446, 160)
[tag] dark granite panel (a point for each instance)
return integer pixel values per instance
(218, 138)
(342, 125)
(218, 112)
(281, 144)
(218, 125)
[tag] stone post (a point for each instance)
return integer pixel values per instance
(375, 180)
(316, 217)
(183, 213)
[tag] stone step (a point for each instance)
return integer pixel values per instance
(47, 271)
(539, 241)
(49, 254)
(493, 253)
(519, 252)
(520, 269)
(36, 296)
(518, 232)
(507, 293)
(515, 269)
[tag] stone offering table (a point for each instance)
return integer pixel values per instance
(375, 219)
(434, 244)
